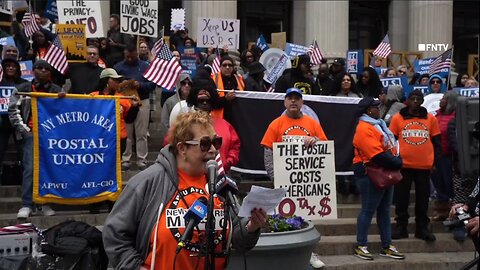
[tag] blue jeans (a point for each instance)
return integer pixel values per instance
(374, 199)
(442, 178)
(27, 181)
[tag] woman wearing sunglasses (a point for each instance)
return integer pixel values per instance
(147, 221)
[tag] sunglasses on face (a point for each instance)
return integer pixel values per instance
(43, 68)
(402, 71)
(227, 65)
(436, 82)
(186, 83)
(207, 142)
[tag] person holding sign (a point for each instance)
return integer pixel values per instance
(293, 126)
(227, 79)
(144, 229)
(20, 114)
(374, 142)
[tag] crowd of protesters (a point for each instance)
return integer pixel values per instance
(119, 57)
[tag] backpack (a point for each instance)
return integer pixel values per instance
(73, 245)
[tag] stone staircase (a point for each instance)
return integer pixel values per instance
(338, 236)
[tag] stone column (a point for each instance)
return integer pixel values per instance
(195, 9)
(398, 25)
(298, 22)
(430, 22)
(327, 21)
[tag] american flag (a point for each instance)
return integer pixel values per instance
(444, 60)
(315, 54)
(383, 49)
(158, 44)
(1, 73)
(164, 70)
(56, 57)
(29, 23)
(216, 63)
(220, 169)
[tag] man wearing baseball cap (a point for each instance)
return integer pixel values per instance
(19, 112)
(292, 126)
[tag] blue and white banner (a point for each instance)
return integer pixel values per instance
(423, 88)
(293, 50)
(422, 66)
(76, 149)
(188, 59)
(51, 10)
(402, 81)
(5, 94)
(7, 41)
(26, 67)
(355, 61)
(467, 92)
(277, 69)
(262, 43)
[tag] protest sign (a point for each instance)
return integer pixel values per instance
(422, 66)
(308, 174)
(355, 61)
(401, 81)
(262, 43)
(5, 94)
(423, 88)
(431, 102)
(27, 70)
(6, 7)
(188, 59)
(277, 70)
(76, 149)
(214, 32)
(74, 41)
(51, 11)
(93, 14)
(279, 40)
(467, 92)
(139, 17)
(380, 71)
(19, 4)
(293, 50)
(7, 41)
(177, 21)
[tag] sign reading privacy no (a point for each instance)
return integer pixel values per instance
(213, 32)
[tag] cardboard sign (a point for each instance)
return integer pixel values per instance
(93, 14)
(355, 61)
(214, 32)
(279, 40)
(73, 41)
(308, 174)
(139, 17)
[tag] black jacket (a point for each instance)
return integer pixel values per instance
(84, 78)
(294, 78)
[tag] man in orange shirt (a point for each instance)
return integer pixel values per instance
(419, 137)
(292, 126)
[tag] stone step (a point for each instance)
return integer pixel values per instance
(13, 204)
(348, 226)
(343, 244)
(43, 222)
(413, 261)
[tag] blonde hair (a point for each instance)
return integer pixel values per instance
(181, 129)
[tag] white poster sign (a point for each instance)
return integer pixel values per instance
(6, 6)
(139, 17)
(93, 14)
(177, 21)
(308, 174)
(213, 32)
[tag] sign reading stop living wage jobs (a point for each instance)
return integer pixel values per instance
(93, 14)
(213, 32)
(308, 174)
(73, 41)
(139, 17)
(76, 149)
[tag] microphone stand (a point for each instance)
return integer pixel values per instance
(210, 229)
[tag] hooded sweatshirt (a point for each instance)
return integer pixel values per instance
(434, 76)
(130, 224)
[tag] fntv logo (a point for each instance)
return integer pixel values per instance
(428, 47)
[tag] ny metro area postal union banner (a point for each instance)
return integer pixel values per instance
(76, 149)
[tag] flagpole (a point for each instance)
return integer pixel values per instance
(450, 70)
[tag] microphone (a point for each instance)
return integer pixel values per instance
(226, 187)
(196, 213)
(212, 169)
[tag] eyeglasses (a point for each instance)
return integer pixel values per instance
(43, 68)
(207, 142)
(227, 65)
(414, 98)
(402, 71)
(436, 82)
(185, 83)
(92, 53)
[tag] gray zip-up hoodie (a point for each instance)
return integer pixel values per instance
(128, 228)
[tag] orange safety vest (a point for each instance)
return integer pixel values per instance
(217, 78)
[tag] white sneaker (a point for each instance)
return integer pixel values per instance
(315, 261)
(24, 212)
(47, 210)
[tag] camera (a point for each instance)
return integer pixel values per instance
(461, 218)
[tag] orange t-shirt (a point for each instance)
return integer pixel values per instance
(286, 129)
(415, 138)
(172, 226)
(368, 142)
(125, 107)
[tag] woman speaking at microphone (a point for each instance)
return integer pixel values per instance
(146, 223)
